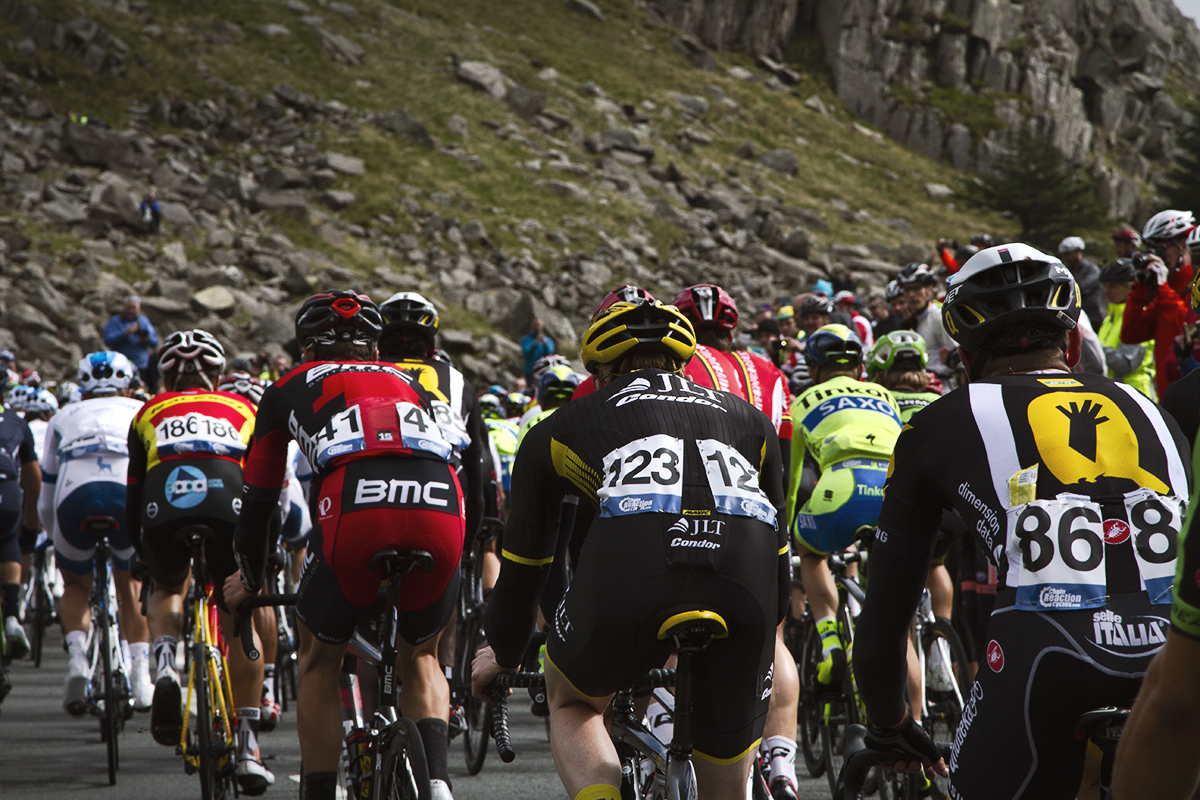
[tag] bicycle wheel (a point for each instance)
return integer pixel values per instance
(943, 707)
(37, 623)
(204, 723)
(842, 709)
(810, 707)
(477, 713)
(109, 721)
(404, 773)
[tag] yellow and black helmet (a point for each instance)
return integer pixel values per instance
(643, 326)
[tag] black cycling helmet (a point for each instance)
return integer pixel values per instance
(983, 241)
(336, 316)
(815, 304)
(916, 272)
(963, 254)
(412, 313)
(1119, 271)
(1010, 298)
(832, 345)
(892, 291)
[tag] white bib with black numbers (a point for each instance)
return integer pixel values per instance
(643, 477)
(734, 482)
(1057, 549)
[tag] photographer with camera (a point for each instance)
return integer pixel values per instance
(131, 334)
(1158, 304)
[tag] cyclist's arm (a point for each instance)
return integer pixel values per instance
(1159, 754)
(796, 468)
(263, 475)
(528, 551)
(31, 479)
(134, 477)
(49, 477)
(900, 556)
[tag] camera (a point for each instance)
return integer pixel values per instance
(1141, 271)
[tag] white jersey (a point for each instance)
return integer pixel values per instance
(84, 442)
(38, 427)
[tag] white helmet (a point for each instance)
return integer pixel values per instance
(104, 373)
(1070, 245)
(1193, 240)
(192, 351)
(1167, 225)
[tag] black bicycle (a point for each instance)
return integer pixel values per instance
(469, 640)
(862, 764)
(39, 603)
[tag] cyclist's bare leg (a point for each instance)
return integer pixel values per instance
(785, 692)
(818, 583)
(491, 565)
(583, 752)
(298, 564)
(164, 612)
(246, 676)
(426, 693)
(1089, 786)
(319, 707)
(265, 626)
(797, 602)
(73, 608)
(133, 624)
(941, 591)
(722, 781)
(916, 682)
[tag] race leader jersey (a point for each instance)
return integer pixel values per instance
(838, 420)
(1074, 485)
(172, 432)
(338, 412)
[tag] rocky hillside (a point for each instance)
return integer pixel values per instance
(955, 79)
(508, 159)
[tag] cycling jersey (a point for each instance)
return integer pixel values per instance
(83, 474)
(185, 467)
(839, 420)
(506, 437)
(38, 428)
(1073, 485)
(1185, 608)
(16, 449)
(910, 403)
(530, 420)
(679, 487)
(381, 480)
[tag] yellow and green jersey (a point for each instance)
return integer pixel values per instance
(840, 419)
(534, 420)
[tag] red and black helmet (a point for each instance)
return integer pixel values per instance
(331, 317)
(707, 305)
(625, 293)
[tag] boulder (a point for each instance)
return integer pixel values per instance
(525, 102)
(939, 191)
(691, 103)
(274, 30)
(337, 200)
(404, 124)
(571, 190)
(339, 47)
(781, 161)
(288, 201)
(483, 76)
(25, 318)
(177, 214)
(65, 211)
(347, 165)
(219, 300)
(94, 146)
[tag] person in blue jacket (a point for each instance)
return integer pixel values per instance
(131, 334)
(534, 345)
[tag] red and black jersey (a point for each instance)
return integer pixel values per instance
(338, 412)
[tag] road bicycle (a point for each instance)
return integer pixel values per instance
(109, 696)
(470, 639)
(862, 764)
(209, 747)
(40, 611)
(650, 770)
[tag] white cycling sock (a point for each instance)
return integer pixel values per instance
(164, 655)
(782, 752)
(125, 651)
(247, 733)
(76, 640)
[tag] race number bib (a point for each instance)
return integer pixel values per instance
(197, 433)
(1154, 522)
(418, 431)
(643, 477)
(1058, 549)
(734, 482)
(454, 428)
(341, 435)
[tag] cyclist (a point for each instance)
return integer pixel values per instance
(554, 390)
(635, 569)
(714, 316)
(503, 433)
(1128, 363)
(83, 475)
(1157, 304)
(625, 293)
(1073, 484)
(185, 467)
(20, 485)
(850, 426)
(37, 406)
(540, 368)
(847, 303)
(812, 313)
(382, 480)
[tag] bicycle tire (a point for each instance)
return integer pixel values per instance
(37, 630)
(476, 713)
(810, 707)
(204, 724)
(845, 708)
(404, 766)
(943, 712)
(108, 722)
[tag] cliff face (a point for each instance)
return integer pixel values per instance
(955, 79)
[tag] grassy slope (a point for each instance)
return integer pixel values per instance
(409, 65)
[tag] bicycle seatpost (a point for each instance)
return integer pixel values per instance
(681, 742)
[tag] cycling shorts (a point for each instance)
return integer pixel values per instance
(74, 546)
(604, 635)
(13, 541)
(1040, 671)
(848, 496)
(297, 521)
(379, 504)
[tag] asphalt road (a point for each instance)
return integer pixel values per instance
(44, 753)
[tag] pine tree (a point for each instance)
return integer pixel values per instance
(1048, 196)
(1181, 185)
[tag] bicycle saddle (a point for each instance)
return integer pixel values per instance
(1105, 723)
(395, 563)
(694, 628)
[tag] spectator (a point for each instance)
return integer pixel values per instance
(534, 345)
(1126, 242)
(983, 241)
(1087, 278)
(813, 311)
(847, 303)
(84, 119)
(1158, 303)
(151, 211)
(763, 339)
(1128, 363)
(883, 321)
(924, 316)
(945, 251)
(821, 287)
(132, 335)
(786, 319)
(280, 366)
(8, 362)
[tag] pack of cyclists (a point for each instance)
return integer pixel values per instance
(708, 479)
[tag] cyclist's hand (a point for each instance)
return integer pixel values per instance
(484, 670)
(235, 593)
(910, 738)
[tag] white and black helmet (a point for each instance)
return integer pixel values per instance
(1010, 298)
(1167, 225)
(191, 351)
(104, 373)
(916, 273)
(1193, 241)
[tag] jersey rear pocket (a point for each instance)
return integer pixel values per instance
(694, 543)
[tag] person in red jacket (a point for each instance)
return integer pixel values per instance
(1158, 304)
